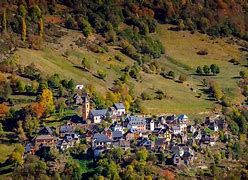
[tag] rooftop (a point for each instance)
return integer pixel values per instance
(98, 112)
(119, 106)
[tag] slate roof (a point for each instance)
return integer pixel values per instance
(101, 138)
(117, 134)
(66, 129)
(119, 106)
(175, 150)
(160, 142)
(46, 130)
(99, 112)
(135, 120)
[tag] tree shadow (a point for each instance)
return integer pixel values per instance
(236, 77)
(81, 68)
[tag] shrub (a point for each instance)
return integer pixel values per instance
(182, 78)
(199, 70)
(102, 74)
(202, 52)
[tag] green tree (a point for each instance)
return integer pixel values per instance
(20, 86)
(142, 154)
(206, 69)
(31, 125)
(102, 74)
(71, 85)
(35, 13)
(171, 74)
(215, 69)
(199, 70)
(85, 26)
(243, 74)
(85, 64)
(1, 129)
(5, 89)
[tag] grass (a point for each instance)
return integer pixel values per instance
(182, 48)
(181, 57)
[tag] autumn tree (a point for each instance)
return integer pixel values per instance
(37, 109)
(23, 12)
(4, 109)
(46, 100)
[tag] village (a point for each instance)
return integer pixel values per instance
(174, 134)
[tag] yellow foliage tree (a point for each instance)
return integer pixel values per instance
(47, 101)
(41, 27)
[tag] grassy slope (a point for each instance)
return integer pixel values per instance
(183, 46)
(180, 46)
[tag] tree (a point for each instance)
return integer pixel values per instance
(171, 74)
(206, 69)
(35, 13)
(85, 64)
(204, 24)
(20, 86)
(61, 107)
(102, 74)
(199, 70)
(23, 12)
(85, 26)
(117, 154)
(1, 129)
(5, 89)
(215, 69)
(4, 109)
(142, 154)
(47, 101)
(71, 85)
(243, 74)
(37, 109)
(181, 25)
(20, 131)
(4, 21)
(182, 78)
(31, 125)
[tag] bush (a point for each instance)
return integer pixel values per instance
(145, 96)
(102, 74)
(202, 52)
(182, 78)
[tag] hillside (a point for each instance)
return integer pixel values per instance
(181, 48)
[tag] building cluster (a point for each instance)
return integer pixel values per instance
(171, 134)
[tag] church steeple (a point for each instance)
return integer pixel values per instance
(85, 106)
